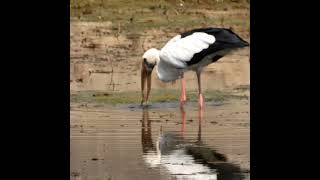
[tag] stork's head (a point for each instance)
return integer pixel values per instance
(150, 59)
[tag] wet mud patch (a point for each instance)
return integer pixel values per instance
(158, 98)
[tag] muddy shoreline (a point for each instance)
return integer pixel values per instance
(106, 138)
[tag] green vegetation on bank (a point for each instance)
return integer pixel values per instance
(155, 96)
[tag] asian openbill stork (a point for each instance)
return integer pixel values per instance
(191, 50)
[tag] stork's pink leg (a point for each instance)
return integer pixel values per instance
(200, 101)
(199, 88)
(183, 97)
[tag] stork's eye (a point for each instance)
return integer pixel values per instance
(149, 65)
(146, 62)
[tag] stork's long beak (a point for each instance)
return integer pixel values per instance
(145, 75)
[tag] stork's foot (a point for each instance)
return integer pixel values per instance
(144, 103)
(200, 101)
(182, 103)
(183, 99)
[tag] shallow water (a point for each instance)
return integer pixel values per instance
(160, 142)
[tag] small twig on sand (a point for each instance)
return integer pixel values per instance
(119, 30)
(177, 13)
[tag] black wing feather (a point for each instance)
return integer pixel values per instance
(225, 39)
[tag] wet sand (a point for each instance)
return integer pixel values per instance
(160, 142)
(100, 60)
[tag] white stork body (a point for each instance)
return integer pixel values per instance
(192, 50)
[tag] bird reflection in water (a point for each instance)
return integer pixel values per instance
(183, 159)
